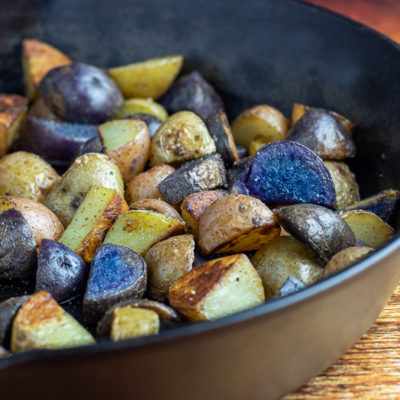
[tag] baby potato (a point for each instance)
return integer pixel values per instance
(150, 78)
(262, 120)
(26, 175)
(281, 258)
(345, 259)
(91, 169)
(145, 185)
(148, 106)
(217, 288)
(182, 137)
(127, 142)
(157, 205)
(346, 186)
(236, 223)
(166, 262)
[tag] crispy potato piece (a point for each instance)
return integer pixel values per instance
(167, 261)
(128, 323)
(367, 227)
(282, 257)
(262, 120)
(127, 142)
(194, 206)
(346, 186)
(26, 175)
(12, 113)
(182, 137)
(150, 78)
(99, 210)
(236, 223)
(257, 143)
(38, 58)
(141, 229)
(42, 324)
(148, 106)
(145, 185)
(157, 205)
(91, 169)
(345, 259)
(217, 288)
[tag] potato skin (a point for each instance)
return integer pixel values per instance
(236, 223)
(26, 175)
(157, 205)
(167, 261)
(145, 185)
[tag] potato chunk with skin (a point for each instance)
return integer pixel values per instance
(157, 205)
(42, 324)
(236, 223)
(217, 288)
(167, 261)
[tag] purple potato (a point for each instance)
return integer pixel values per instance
(324, 134)
(287, 173)
(319, 228)
(238, 169)
(94, 145)
(117, 273)
(17, 247)
(291, 285)
(57, 142)
(81, 93)
(193, 93)
(61, 272)
(152, 122)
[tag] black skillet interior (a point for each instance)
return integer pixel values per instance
(254, 52)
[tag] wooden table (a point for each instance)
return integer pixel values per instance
(371, 368)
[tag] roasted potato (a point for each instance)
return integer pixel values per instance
(324, 134)
(281, 258)
(117, 273)
(60, 271)
(150, 78)
(145, 185)
(39, 110)
(100, 208)
(287, 173)
(157, 205)
(152, 122)
(195, 204)
(205, 173)
(141, 229)
(166, 262)
(262, 120)
(236, 223)
(291, 285)
(26, 175)
(182, 137)
(320, 229)
(217, 288)
(137, 105)
(192, 92)
(38, 59)
(367, 227)
(346, 186)
(345, 259)
(41, 323)
(80, 93)
(127, 142)
(91, 169)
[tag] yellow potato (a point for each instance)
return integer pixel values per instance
(257, 143)
(157, 205)
(148, 106)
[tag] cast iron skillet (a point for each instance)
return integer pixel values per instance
(274, 52)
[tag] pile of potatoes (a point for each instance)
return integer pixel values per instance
(164, 212)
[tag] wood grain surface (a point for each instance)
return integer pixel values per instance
(371, 368)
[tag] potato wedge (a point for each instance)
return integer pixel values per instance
(42, 324)
(150, 78)
(236, 223)
(100, 208)
(141, 229)
(38, 58)
(217, 288)
(345, 259)
(167, 261)
(281, 258)
(91, 169)
(26, 175)
(182, 137)
(262, 120)
(127, 142)
(367, 227)
(157, 205)
(194, 206)
(148, 106)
